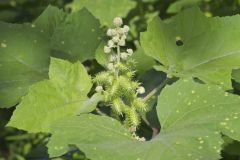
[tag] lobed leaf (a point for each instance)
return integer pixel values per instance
(192, 123)
(78, 37)
(51, 18)
(25, 49)
(64, 94)
(192, 45)
(24, 60)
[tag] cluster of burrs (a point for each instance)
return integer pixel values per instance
(116, 83)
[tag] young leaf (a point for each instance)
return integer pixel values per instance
(77, 37)
(193, 45)
(192, 117)
(24, 60)
(50, 100)
(105, 10)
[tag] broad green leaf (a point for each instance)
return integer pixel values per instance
(25, 49)
(193, 116)
(179, 5)
(88, 132)
(143, 62)
(24, 60)
(222, 77)
(50, 100)
(78, 37)
(209, 45)
(49, 20)
(100, 56)
(105, 10)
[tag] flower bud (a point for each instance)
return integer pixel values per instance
(110, 43)
(109, 32)
(121, 31)
(110, 66)
(124, 37)
(117, 22)
(99, 89)
(112, 58)
(130, 51)
(107, 49)
(141, 90)
(124, 55)
(114, 32)
(122, 42)
(125, 28)
(116, 39)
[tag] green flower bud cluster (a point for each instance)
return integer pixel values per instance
(116, 84)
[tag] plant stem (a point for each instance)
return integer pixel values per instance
(155, 90)
(118, 54)
(118, 58)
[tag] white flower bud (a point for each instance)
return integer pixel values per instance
(110, 66)
(112, 58)
(116, 39)
(141, 90)
(122, 42)
(125, 28)
(114, 32)
(124, 55)
(110, 43)
(130, 51)
(117, 22)
(99, 89)
(124, 37)
(120, 31)
(109, 32)
(107, 49)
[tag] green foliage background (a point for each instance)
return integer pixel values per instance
(17, 144)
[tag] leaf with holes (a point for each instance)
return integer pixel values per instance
(192, 45)
(192, 123)
(65, 94)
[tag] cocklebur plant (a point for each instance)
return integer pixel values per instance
(193, 116)
(116, 84)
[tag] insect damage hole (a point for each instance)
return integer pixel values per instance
(179, 41)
